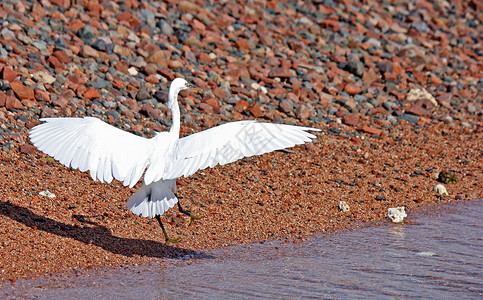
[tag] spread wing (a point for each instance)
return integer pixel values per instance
(229, 142)
(90, 144)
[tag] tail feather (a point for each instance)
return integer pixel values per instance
(153, 199)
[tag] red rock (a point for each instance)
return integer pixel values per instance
(352, 89)
(88, 51)
(118, 83)
(198, 25)
(396, 68)
(60, 102)
(390, 76)
(22, 91)
(167, 74)
(213, 102)
(273, 114)
(242, 44)
(377, 110)
(400, 96)
(129, 18)
(188, 6)
(94, 8)
(237, 116)
(332, 24)
(153, 113)
(28, 103)
(3, 99)
(150, 69)
(351, 119)
(281, 72)
(256, 111)
(218, 92)
(122, 67)
(241, 105)
(206, 107)
(76, 79)
(75, 25)
(416, 110)
(435, 80)
(370, 76)
(55, 63)
(325, 99)
(371, 130)
(62, 56)
(152, 79)
(204, 57)
(8, 74)
(302, 112)
(12, 102)
(159, 58)
(381, 122)
(31, 123)
(28, 149)
(211, 121)
(47, 112)
(91, 93)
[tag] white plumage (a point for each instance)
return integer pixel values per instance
(108, 152)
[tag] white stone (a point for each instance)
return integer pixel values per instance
(47, 194)
(420, 93)
(440, 189)
(43, 77)
(133, 71)
(343, 206)
(397, 214)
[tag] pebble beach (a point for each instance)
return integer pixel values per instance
(395, 87)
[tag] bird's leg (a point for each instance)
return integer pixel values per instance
(168, 239)
(187, 212)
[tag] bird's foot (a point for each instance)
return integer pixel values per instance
(194, 217)
(168, 239)
(173, 241)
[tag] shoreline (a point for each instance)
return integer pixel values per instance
(287, 196)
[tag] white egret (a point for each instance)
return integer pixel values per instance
(89, 144)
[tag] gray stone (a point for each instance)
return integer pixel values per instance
(354, 67)
(114, 114)
(99, 83)
(7, 34)
(389, 106)
(86, 33)
(420, 26)
(409, 118)
(100, 45)
(385, 67)
(42, 46)
(165, 28)
(392, 119)
(142, 94)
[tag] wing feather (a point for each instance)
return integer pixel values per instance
(90, 144)
(229, 142)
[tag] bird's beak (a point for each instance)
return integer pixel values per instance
(194, 87)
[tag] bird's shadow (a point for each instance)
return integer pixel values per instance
(97, 235)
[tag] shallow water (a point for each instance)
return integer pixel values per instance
(438, 256)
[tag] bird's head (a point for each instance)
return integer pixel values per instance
(178, 85)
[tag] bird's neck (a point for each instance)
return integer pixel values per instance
(175, 115)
